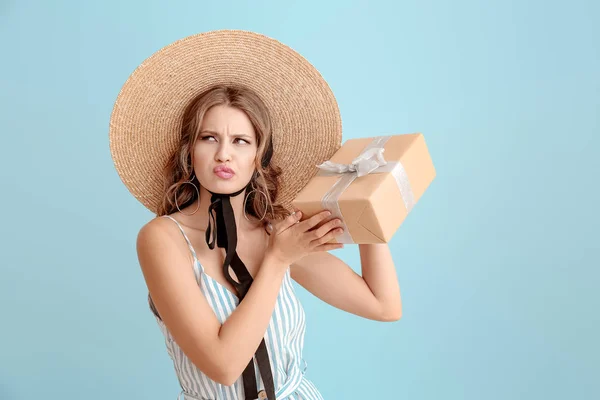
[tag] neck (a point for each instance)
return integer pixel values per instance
(199, 220)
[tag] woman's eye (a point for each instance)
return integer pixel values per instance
(206, 137)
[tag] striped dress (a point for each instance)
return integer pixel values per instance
(284, 339)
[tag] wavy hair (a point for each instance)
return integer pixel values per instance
(179, 167)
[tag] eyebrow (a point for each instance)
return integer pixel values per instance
(218, 134)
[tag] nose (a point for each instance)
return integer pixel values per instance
(223, 152)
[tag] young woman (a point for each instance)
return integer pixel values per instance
(233, 325)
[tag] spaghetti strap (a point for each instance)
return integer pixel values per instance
(196, 261)
(284, 335)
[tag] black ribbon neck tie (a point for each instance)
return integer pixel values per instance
(222, 230)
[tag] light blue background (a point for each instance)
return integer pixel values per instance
(498, 263)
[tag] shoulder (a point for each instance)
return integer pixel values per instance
(159, 238)
(156, 228)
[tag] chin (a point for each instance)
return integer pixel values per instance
(232, 184)
(220, 181)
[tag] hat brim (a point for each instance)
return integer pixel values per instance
(145, 124)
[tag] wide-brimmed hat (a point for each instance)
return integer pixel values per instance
(145, 125)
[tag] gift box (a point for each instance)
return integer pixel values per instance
(371, 184)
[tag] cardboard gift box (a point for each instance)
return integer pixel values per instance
(371, 184)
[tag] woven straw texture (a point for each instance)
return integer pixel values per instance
(145, 124)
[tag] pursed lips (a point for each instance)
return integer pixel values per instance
(224, 169)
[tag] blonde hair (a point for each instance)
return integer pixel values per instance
(179, 167)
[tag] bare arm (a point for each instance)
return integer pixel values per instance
(374, 295)
(379, 273)
(220, 351)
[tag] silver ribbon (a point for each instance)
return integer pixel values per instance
(369, 161)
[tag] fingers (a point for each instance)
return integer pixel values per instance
(291, 219)
(322, 230)
(314, 220)
(328, 247)
(327, 237)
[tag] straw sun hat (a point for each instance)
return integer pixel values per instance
(146, 121)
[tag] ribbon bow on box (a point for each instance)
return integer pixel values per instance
(369, 161)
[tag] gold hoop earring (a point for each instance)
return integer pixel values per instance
(197, 191)
(246, 199)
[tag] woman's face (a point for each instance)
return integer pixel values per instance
(227, 138)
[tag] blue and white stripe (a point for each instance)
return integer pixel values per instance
(284, 339)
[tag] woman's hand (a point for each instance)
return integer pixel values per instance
(292, 239)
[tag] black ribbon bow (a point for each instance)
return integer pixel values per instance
(223, 230)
